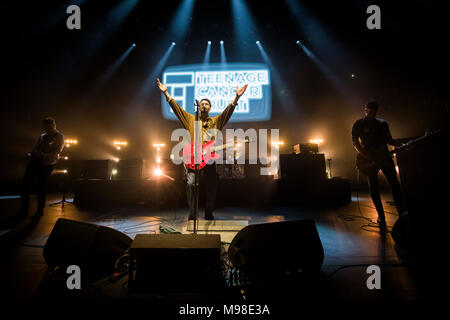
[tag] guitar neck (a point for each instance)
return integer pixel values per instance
(227, 145)
(411, 142)
(224, 146)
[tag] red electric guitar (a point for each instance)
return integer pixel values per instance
(206, 151)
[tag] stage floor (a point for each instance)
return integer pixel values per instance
(348, 246)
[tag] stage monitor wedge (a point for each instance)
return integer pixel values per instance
(272, 250)
(93, 248)
(174, 262)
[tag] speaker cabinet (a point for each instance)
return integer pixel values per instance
(423, 174)
(93, 248)
(272, 250)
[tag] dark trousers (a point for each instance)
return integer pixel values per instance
(34, 171)
(208, 181)
(391, 176)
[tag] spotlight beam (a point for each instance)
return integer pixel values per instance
(326, 71)
(223, 57)
(181, 20)
(115, 66)
(282, 91)
(150, 81)
(207, 53)
(321, 39)
(244, 26)
(177, 31)
(105, 27)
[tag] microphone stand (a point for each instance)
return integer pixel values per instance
(197, 173)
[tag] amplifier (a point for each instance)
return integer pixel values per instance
(130, 169)
(97, 169)
(303, 166)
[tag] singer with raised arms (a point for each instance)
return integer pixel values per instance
(209, 174)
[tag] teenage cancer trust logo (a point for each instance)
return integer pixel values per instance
(218, 83)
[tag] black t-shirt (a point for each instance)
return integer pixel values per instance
(373, 133)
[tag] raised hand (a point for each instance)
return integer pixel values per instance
(161, 85)
(240, 92)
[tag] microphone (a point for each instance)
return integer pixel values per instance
(197, 103)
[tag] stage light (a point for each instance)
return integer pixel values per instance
(173, 43)
(120, 143)
(209, 42)
(221, 41)
(277, 144)
(316, 141)
(298, 42)
(158, 159)
(353, 75)
(116, 159)
(69, 142)
(156, 145)
(60, 171)
(114, 172)
(257, 42)
(118, 148)
(158, 172)
(134, 45)
(66, 158)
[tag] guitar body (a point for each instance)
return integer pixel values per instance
(371, 168)
(203, 155)
(381, 158)
(366, 166)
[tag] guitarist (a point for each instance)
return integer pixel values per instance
(218, 122)
(42, 160)
(370, 136)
